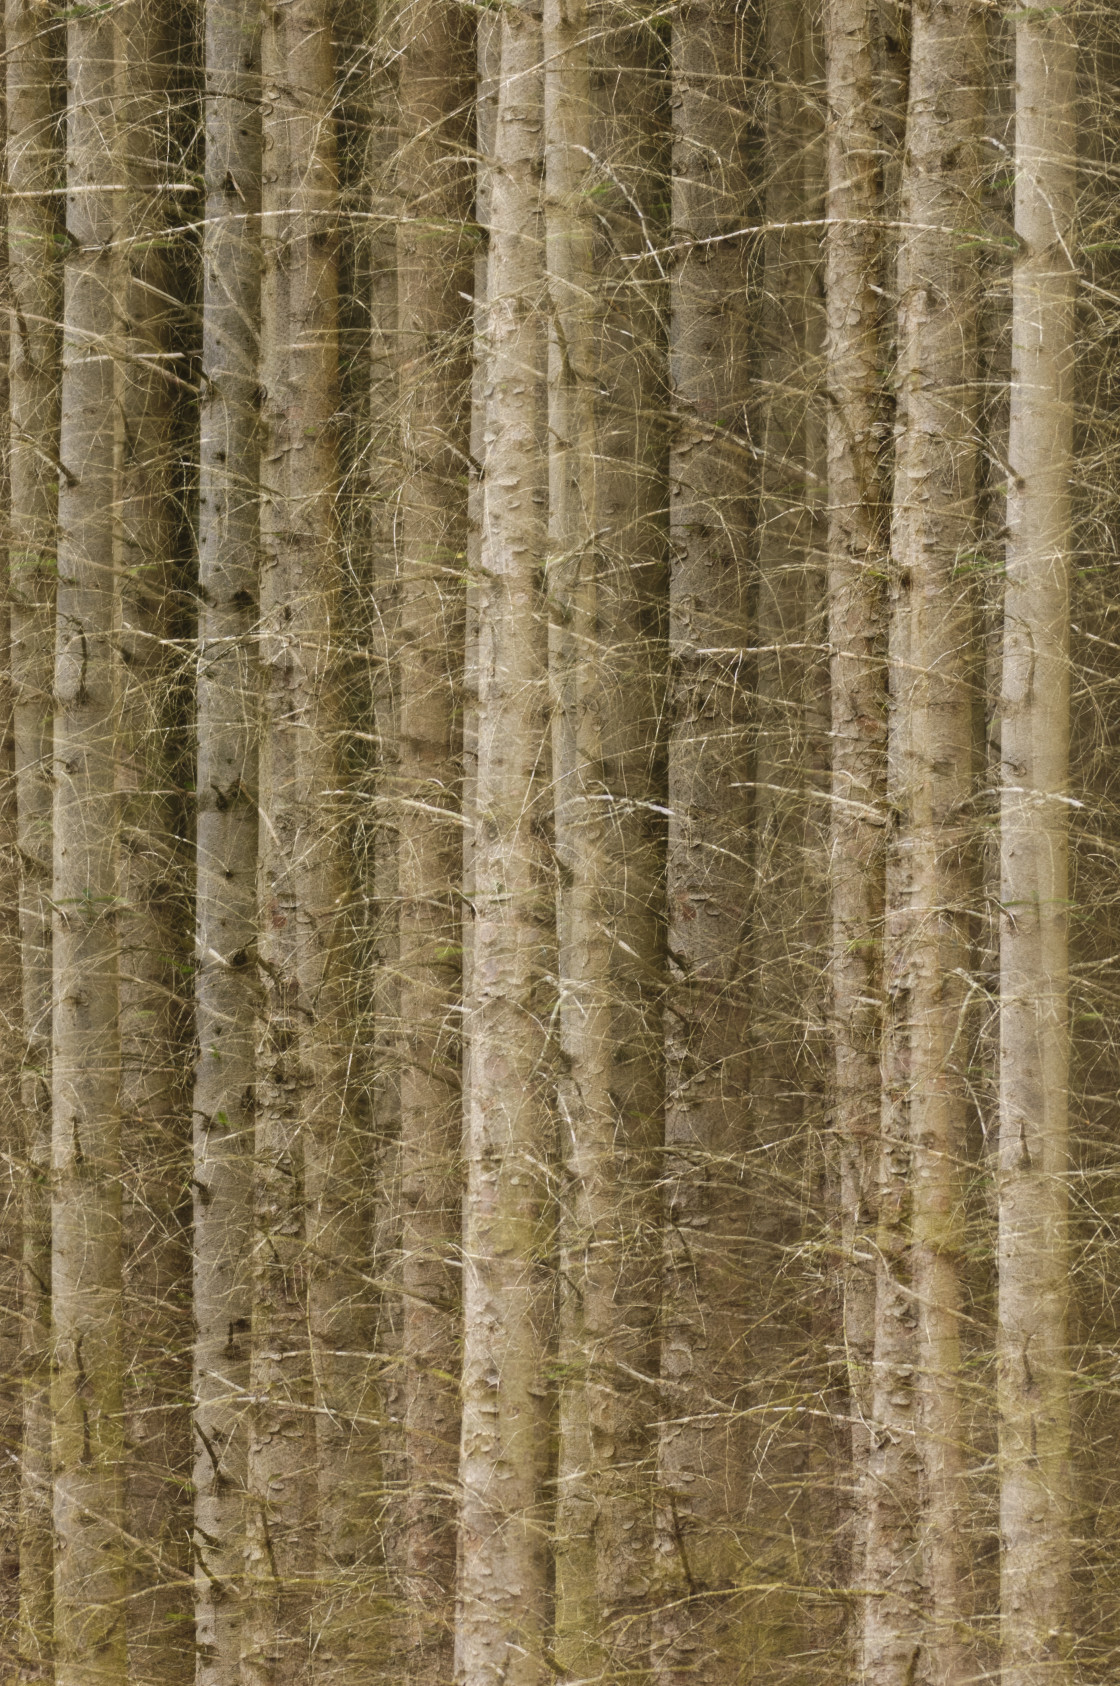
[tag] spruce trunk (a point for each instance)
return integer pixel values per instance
(703, 1453)
(434, 276)
(508, 1279)
(35, 277)
(87, 1374)
(1034, 1261)
(226, 989)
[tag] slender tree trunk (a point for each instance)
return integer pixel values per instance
(917, 1462)
(33, 99)
(789, 914)
(434, 274)
(226, 986)
(703, 1453)
(12, 1179)
(87, 1401)
(310, 1439)
(152, 921)
(856, 567)
(503, 1588)
(606, 572)
(1034, 1361)
(384, 881)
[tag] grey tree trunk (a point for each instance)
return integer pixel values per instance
(1033, 1342)
(86, 1391)
(502, 1615)
(435, 261)
(35, 277)
(226, 985)
(703, 1453)
(916, 1493)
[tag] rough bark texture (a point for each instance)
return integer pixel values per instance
(790, 1451)
(310, 1434)
(503, 1590)
(87, 1391)
(155, 871)
(226, 986)
(605, 574)
(916, 1628)
(1034, 1382)
(35, 278)
(702, 1455)
(856, 568)
(434, 271)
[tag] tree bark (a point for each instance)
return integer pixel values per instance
(87, 1399)
(226, 990)
(155, 869)
(503, 1587)
(311, 1432)
(703, 1453)
(434, 274)
(35, 278)
(1033, 1340)
(603, 164)
(792, 1452)
(916, 1492)
(857, 545)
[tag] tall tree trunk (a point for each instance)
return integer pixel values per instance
(503, 1588)
(917, 1461)
(856, 567)
(434, 274)
(788, 944)
(226, 986)
(35, 278)
(703, 1453)
(1034, 1361)
(87, 1397)
(310, 1437)
(152, 920)
(606, 572)
(12, 1179)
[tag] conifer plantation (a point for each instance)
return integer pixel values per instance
(560, 843)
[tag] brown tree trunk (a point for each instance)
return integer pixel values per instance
(1033, 1346)
(154, 912)
(703, 1453)
(602, 99)
(916, 1494)
(226, 986)
(87, 1380)
(434, 274)
(35, 277)
(856, 566)
(503, 1584)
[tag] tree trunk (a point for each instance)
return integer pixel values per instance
(602, 97)
(87, 1400)
(916, 1494)
(35, 278)
(503, 1589)
(434, 274)
(154, 911)
(703, 1453)
(1033, 1346)
(226, 987)
(791, 1450)
(856, 567)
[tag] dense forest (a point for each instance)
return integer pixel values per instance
(560, 843)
